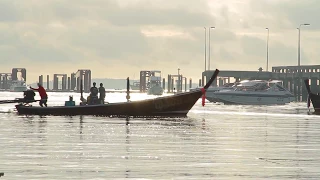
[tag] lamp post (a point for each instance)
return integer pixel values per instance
(209, 47)
(267, 49)
(299, 69)
(205, 49)
(299, 42)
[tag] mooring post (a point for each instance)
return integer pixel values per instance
(299, 84)
(163, 84)
(128, 98)
(169, 83)
(221, 82)
(314, 85)
(185, 84)
(295, 82)
(201, 80)
(128, 90)
(172, 85)
(180, 83)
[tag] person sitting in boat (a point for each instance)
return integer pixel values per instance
(93, 94)
(42, 93)
(102, 93)
(28, 95)
(83, 101)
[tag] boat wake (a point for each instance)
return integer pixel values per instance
(7, 112)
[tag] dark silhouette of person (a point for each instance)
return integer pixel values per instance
(94, 90)
(102, 93)
(93, 94)
(42, 93)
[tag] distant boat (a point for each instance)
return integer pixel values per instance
(135, 85)
(18, 86)
(154, 83)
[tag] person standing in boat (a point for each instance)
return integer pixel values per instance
(93, 94)
(102, 93)
(94, 90)
(42, 93)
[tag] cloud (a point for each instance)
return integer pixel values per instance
(9, 11)
(7, 55)
(282, 54)
(300, 12)
(253, 46)
(118, 38)
(146, 16)
(286, 14)
(226, 55)
(110, 43)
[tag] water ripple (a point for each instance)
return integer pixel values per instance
(214, 142)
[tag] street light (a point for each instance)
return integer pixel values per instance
(209, 47)
(299, 70)
(299, 42)
(205, 49)
(267, 49)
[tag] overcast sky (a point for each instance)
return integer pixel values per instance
(118, 38)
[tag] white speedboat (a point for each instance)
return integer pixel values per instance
(154, 83)
(135, 86)
(213, 89)
(155, 90)
(255, 92)
(18, 86)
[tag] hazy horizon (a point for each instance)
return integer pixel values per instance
(118, 38)
(110, 83)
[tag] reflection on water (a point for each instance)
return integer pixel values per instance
(127, 146)
(214, 142)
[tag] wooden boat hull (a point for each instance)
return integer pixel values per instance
(314, 98)
(169, 106)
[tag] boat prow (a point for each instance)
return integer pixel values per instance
(312, 98)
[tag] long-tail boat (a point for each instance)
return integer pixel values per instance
(177, 105)
(312, 97)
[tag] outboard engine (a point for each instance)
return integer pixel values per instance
(28, 95)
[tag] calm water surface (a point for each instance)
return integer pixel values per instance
(214, 142)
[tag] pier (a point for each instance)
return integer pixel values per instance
(175, 83)
(292, 77)
(6, 79)
(71, 83)
(68, 84)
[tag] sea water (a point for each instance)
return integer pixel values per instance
(214, 142)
